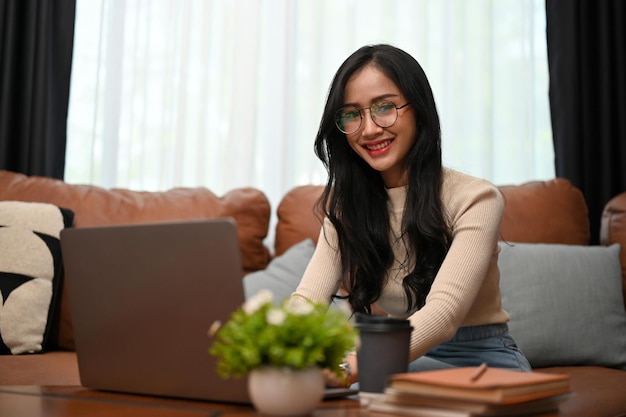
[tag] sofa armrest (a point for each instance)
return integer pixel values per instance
(297, 219)
(552, 211)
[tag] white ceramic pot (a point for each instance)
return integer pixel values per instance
(284, 391)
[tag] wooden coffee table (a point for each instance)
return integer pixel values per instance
(76, 401)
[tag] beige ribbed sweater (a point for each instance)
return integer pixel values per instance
(466, 290)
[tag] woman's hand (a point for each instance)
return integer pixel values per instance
(332, 380)
(349, 377)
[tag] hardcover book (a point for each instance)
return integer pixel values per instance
(482, 384)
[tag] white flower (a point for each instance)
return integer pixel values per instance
(298, 307)
(254, 303)
(275, 316)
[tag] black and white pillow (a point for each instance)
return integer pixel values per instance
(30, 272)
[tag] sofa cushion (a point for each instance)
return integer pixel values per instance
(297, 219)
(283, 273)
(96, 206)
(565, 303)
(551, 211)
(30, 272)
(52, 368)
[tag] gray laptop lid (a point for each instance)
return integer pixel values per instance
(142, 299)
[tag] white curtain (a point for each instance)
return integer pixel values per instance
(225, 93)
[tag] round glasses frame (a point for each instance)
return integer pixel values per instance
(383, 113)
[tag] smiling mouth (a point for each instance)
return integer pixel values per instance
(378, 146)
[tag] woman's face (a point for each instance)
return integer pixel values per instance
(384, 149)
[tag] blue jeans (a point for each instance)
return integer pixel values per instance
(473, 345)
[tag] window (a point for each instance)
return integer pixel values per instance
(225, 93)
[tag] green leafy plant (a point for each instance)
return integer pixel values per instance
(295, 334)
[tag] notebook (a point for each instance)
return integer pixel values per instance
(143, 298)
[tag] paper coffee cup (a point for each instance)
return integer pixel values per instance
(384, 350)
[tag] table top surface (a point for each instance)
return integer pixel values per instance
(71, 401)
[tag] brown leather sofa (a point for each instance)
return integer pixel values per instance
(536, 212)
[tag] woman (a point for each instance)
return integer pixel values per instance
(401, 232)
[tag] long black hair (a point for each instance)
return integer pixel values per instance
(355, 199)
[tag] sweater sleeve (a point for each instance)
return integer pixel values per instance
(474, 208)
(322, 277)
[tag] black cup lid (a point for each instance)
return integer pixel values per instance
(375, 321)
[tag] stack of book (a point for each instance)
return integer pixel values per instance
(472, 392)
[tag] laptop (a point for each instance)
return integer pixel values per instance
(143, 297)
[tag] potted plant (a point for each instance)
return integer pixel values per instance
(282, 346)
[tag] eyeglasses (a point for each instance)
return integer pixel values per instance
(348, 119)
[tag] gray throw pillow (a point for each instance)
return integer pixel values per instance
(283, 274)
(565, 303)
